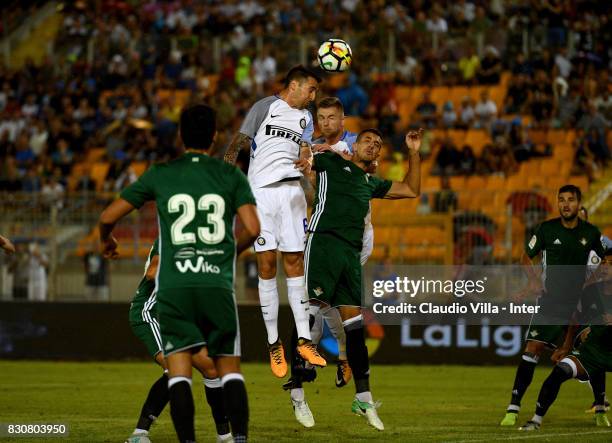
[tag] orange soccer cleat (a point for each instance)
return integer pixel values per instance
(308, 351)
(278, 364)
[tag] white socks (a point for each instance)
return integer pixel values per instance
(268, 299)
(297, 394)
(334, 321)
(365, 397)
(296, 292)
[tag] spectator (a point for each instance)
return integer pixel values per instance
(563, 64)
(517, 96)
(490, 67)
(353, 97)
(469, 64)
(426, 112)
(38, 263)
(594, 120)
(449, 116)
(448, 158)
(436, 24)
(445, 200)
(96, 274)
(467, 113)
(397, 170)
(486, 111)
(467, 164)
(264, 69)
(53, 192)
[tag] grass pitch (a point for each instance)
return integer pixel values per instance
(101, 402)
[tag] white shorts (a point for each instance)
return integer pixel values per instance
(281, 208)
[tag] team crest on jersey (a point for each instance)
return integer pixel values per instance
(318, 291)
(261, 241)
(583, 241)
(303, 123)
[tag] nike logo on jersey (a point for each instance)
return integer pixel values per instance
(557, 242)
(274, 116)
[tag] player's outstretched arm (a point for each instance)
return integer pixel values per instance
(7, 245)
(410, 187)
(250, 221)
(108, 219)
(238, 143)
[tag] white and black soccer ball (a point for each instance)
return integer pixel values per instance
(335, 55)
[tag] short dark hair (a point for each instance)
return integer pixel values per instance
(371, 131)
(300, 73)
(331, 102)
(572, 189)
(198, 126)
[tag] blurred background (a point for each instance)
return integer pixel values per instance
(515, 96)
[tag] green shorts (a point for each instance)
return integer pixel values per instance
(332, 270)
(144, 324)
(594, 353)
(547, 334)
(196, 317)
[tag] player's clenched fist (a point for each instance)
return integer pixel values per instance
(413, 140)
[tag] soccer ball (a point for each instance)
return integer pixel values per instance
(335, 55)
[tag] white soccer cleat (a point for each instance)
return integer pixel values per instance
(138, 438)
(368, 410)
(227, 438)
(302, 413)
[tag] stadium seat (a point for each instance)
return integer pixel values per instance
(477, 139)
(98, 173)
(456, 94)
(457, 136)
(139, 167)
(582, 181)
(353, 124)
(403, 93)
(440, 95)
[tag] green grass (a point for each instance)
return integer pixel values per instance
(101, 401)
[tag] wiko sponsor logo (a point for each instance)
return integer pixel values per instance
(200, 266)
(278, 131)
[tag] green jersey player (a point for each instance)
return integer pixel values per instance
(335, 234)
(197, 200)
(144, 324)
(566, 244)
(589, 360)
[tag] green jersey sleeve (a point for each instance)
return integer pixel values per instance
(535, 244)
(319, 160)
(141, 191)
(381, 187)
(155, 248)
(243, 195)
(598, 244)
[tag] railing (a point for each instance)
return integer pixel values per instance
(476, 226)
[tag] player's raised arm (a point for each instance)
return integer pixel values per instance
(108, 219)
(410, 187)
(7, 245)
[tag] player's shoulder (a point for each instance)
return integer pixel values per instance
(266, 101)
(551, 223)
(590, 228)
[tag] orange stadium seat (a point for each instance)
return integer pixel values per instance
(353, 123)
(98, 173)
(439, 95)
(582, 181)
(139, 167)
(456, 94)
(457, 136)
(403, 93)
(477, 139)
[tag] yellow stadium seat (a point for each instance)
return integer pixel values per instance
(457, 136)
(582, 181)
(403, 93)
(139, 167)
(456, 94)
(477, 139)
(556, 136)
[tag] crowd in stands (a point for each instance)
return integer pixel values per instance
(112, 58)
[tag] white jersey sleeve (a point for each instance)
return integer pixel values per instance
(277, 131)
(368, 238)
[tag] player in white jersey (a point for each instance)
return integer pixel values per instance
(330, 120)
(278, 130)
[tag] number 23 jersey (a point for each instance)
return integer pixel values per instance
(197, 198)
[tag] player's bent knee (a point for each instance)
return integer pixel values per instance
(352, 323)
(568, 367)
